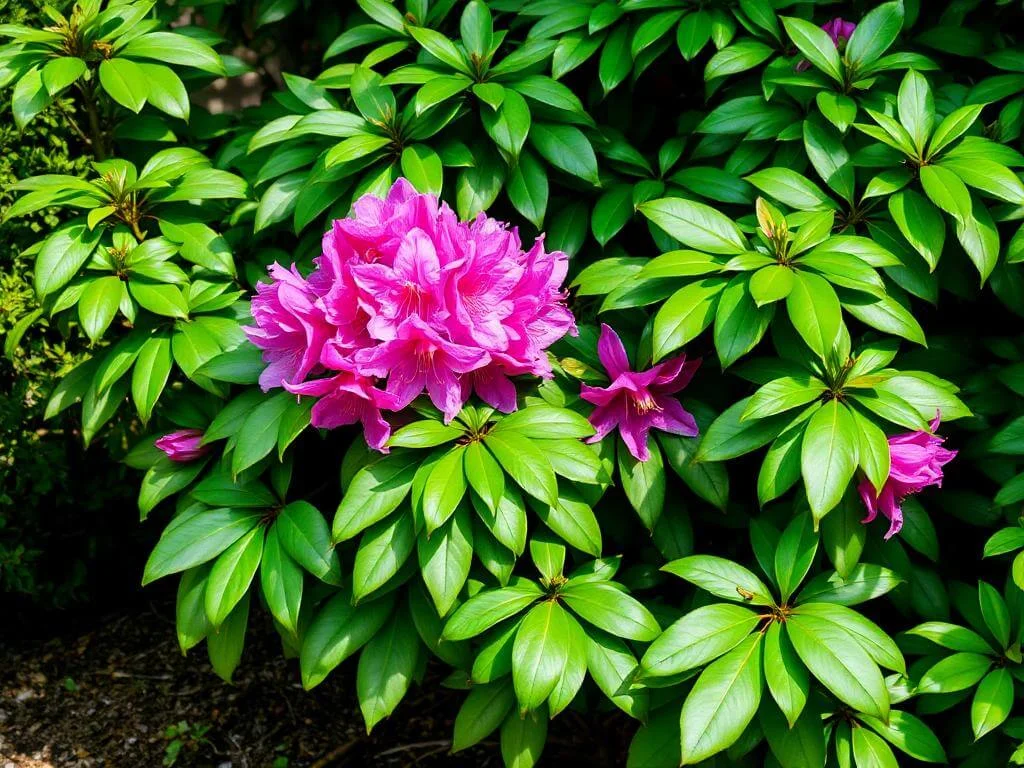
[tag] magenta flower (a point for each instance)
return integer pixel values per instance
(183, 445)
(290, 328)
(417, 358)
(916, 461)
(840, 31)
(406, 296)
(348, 398)
(637, 402)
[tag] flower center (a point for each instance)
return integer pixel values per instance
(645, 404)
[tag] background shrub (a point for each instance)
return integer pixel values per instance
(826, 212)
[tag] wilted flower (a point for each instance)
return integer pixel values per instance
(407, 296)
(183, 445)
(637, 402)
(840, 31)
(916, 461)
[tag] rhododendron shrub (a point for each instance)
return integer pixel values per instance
(566, 352)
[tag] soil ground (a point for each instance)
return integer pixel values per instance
(108, 697)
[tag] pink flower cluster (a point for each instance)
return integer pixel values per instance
(406, 295)
(916, 461)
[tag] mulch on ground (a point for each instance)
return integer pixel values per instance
(118, 696)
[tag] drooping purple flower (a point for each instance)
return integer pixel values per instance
(840, 31)
(638, 401)
(916, 461)
(183, 445)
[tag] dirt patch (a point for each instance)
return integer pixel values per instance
(124, 697)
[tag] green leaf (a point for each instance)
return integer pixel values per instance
(916, 108)
(721, 577)
(909, 734)
(375, 492)
(539, 653)
(165, 300)
(258, 433)
(770, 284)
(787, 677)
(606, 607)
(63, 253)
(224, 647)
(189, 542)
(231, 575)
(794, 554)
(992, 702)
(843, 536)
(487, 608)
(304, 535)
(837, 660)
(696, 225)
(165, 90)
(864, 582)
(730, 435)
(522, 738)
(29, 98)
(781, 395)
(828, 456)
(544, 421)
(125, 82)
(440, 47)
(189, 613)
(386, 668)
(98, 305)
(527, 188)
(445, 558)
(815, 312)
(699, 637)
(422, 167)
(791, 188)
(336, 632)
(172, 48)
(509, 125)
(879, 646)
(444, 489)
(995, 613)
(920, 222)
(612, 666)
(685, 315)
(152, 367)
(61, 72)
(643, 483)
(481, 713)
(955, 125)
(611, 213)
(954, 673)
(870, 750)
(525, 463)
(816, 45)
(281, 580)
(799, 743)
(738, 57)
(739, 323)
(874, 34)
(566, 148)
(951, 636)
(383, 550)
(722, 702)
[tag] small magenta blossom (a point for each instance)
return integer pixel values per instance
(406, 299)
(840, 31)
(916, 461)
(183, 445)
(638, 401)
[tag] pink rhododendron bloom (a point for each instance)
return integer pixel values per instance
(840, 31)
(637, 402)
(291, 328)
(345, 399)
(183, 445)
(916, 459)
(406, 299)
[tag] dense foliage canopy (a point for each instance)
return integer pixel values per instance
(760, 285)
